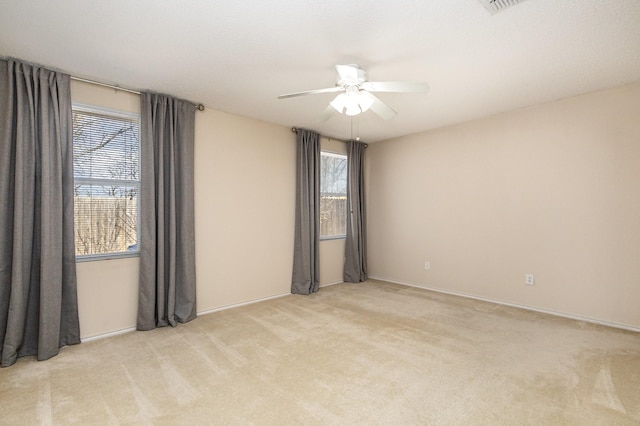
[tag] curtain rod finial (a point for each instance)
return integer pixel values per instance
(200, 107)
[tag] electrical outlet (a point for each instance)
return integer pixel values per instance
(427, 265)
(528, 279)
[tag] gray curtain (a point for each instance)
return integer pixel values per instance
(355, 265)
(38, 299)
(167, 293)
(305, 278)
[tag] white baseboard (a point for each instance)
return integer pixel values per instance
(408, 284)
(110, 334)
(513, 305)
(250, 302)
(331, 283)
(237, 305)
(205, 312)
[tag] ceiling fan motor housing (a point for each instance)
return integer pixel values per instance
(350, 75)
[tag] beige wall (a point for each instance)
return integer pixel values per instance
(244, 201)
(331, 261)
(551, 190)
(107, 296)
(245, 197)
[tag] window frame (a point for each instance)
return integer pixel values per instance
(80, 107)
(340, 155)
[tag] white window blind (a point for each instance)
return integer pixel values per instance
(106, 161)
(333, 195)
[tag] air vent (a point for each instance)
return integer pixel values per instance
(494, 6)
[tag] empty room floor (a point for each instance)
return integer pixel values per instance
(368, 353)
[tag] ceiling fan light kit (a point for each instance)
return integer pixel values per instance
(352, 101)
(356, 96)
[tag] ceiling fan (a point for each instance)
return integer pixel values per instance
(356, 96)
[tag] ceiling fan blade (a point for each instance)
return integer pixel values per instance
(395, 86)
(326, 114)
(380, 108)
(312, 92)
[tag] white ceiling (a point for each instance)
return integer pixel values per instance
(237, 56)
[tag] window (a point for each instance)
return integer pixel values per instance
(333, 195)
(106, 161)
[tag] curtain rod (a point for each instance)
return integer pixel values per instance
(199, 107)
(295, 130)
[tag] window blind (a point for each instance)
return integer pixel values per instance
(333, 195)
(106, 160)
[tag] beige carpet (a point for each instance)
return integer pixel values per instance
(370, 353)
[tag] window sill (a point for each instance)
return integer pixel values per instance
(334, 237)
(106, 256)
